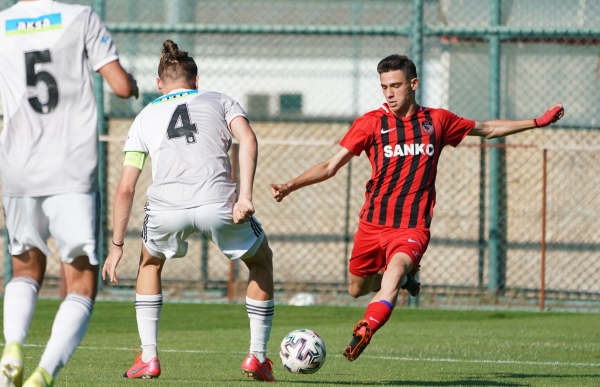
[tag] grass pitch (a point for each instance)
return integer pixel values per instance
(204, 345)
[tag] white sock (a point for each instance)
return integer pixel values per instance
(70, 325)
(147, 312)
(20, 297)
(260, 314)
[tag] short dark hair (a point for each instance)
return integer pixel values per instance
(175, 64)
(398, 62)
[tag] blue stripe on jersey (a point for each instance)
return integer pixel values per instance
(30, 26)
(170, 97)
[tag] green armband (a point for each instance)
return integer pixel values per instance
(135, 159)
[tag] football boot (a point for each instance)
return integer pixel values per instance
(361, 336)
(39, 378)
(141, 370)
(412, 286)
(11, 366)
(257, 370)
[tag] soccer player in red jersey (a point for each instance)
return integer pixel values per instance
(403, 142)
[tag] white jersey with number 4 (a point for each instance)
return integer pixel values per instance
(187, 135)
(49, 144)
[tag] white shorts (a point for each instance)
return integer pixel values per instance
(71, 219)
(165, 231)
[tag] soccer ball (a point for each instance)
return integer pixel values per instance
(302, 351)
(302, 299)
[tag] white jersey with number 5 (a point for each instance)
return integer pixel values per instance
(187, 135)
(49, 144)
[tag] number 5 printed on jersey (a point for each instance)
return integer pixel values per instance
(33, 78)
(181, 126)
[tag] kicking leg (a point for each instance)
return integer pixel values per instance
(148, 305)
(20, 298)
(71, 321)
(260, 307)
(380, 309)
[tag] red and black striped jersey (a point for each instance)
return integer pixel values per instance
(404, 153)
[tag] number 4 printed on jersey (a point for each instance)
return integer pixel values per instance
(181, 126)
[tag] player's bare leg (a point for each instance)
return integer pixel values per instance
(148, 305)
(260, 307)
(20, 299)
(360, 286)
(71, 321)
(381, 306)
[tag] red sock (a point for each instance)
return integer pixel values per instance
(378, 313)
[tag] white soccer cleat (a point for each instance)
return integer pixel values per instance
(11, 366)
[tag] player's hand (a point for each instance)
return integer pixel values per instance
(553, 114)
(110, 264)
(279, 191)
(242, 211)
(134, 87)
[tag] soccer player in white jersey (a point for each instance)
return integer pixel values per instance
(48, 167)
(187, 132)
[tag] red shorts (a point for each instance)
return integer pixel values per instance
(375, 245)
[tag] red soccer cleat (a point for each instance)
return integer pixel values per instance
(361, 336)
(257, 370)
(141, 370)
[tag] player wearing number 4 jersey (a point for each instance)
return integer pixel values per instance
(48, 163)
(187, 132)
(403, 142)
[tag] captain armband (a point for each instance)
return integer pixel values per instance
(135, 159)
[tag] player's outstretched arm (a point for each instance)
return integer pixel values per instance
(121, 213)
(243, 208)
(315, 174)
(121, 82)
(502, 128)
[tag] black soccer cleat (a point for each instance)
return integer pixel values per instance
(412, 286)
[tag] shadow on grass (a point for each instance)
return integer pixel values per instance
(424, 383)
(504, 375)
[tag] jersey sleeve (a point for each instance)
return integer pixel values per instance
(455, 128)
(99, 45)
(232, 109)
(359, 136)
(134, 141)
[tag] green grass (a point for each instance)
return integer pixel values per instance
(415, 348)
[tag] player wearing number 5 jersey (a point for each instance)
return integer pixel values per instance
(403, 142)
(48, 163)
(187, 132)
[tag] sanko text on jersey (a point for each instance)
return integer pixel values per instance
(408, 149)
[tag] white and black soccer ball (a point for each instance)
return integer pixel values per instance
(302, 351)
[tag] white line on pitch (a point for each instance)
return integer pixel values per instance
(431, 360)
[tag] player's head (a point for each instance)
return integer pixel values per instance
(176, 69)
(398, 78)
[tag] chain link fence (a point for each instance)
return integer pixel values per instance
(516, 221)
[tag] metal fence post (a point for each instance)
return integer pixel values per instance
(498, 212)
(416, 52)
(416, 42)
(98, 6)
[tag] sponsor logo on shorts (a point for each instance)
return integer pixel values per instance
(416, 254)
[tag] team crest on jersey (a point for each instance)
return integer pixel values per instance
(427, 127)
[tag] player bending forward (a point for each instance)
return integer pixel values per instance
(188, 132)
(403, 142)
(48, 165)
